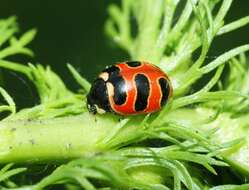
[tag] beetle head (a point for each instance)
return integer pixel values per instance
(97, 99)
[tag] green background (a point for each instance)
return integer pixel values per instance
(73, 32)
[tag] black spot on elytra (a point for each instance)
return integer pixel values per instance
(119, 89)
(133, 63)
(165, 89)
(143, 91)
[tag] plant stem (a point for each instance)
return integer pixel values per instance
(52, 139)
(62, 139)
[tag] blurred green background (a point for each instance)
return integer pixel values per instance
(73, 32)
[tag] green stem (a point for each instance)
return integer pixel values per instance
(62, 138)
(54, 139)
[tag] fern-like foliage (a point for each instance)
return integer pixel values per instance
(198, 130)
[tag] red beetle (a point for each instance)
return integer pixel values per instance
(128, 88)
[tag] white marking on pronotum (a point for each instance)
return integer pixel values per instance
(104, 76)
(110, 89)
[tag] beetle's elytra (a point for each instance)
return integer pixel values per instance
(129, 88)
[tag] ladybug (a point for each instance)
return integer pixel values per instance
(129, 88)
